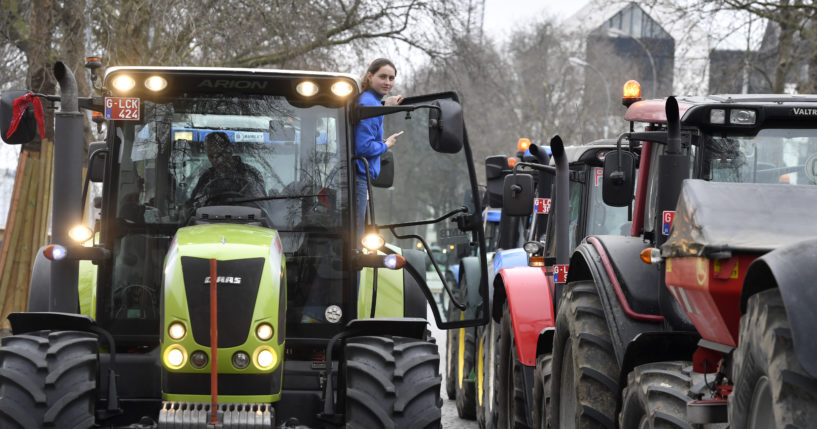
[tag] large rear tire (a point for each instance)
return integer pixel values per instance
(465, 386)
(584, 382)
(48, 380)
(657, 394)
(392, 382)
(513, 409)
(541, 392)
(771, 388)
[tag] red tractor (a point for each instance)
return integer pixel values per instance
(523, 296)
(706, 318)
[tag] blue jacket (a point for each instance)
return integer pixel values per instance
(369, 137)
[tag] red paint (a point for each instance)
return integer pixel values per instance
(529, 302)
(213, 342)
(706, 360)
(653, 111)
(711, 301)
(641, 189)
(608, 268)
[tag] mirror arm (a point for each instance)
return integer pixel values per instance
(454, 300)
(462, 209)
(539, 167)
(359, 113)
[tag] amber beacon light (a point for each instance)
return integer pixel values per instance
(631, 93)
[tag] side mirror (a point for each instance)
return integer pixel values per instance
(97, 154)
(517, 195)
(27, 128)
(386, 177)
(445, 126)
(495, 168)
(618, 181)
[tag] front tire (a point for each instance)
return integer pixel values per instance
(513, 411)
(487, 393)
(450, 365)
(392, 382)
(465, 385)
(48, 379)
(541, 392)
(771, 387)
(657, 394)
(584, 383)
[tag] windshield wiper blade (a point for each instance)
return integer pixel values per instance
(278, 197)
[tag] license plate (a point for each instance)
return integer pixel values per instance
(122, 108)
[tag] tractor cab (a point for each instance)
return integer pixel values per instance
(228, 272)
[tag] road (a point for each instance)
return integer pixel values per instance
(450, 418)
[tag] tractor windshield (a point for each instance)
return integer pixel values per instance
(190, 153)
(771, 156)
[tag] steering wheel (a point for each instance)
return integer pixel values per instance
(211, 193)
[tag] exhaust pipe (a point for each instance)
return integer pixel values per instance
(66, 210)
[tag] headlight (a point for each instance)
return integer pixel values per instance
(155, 83)
(80, 233)
(717, 116)
(532, 247)
(198, 359)
(264, 331)
(123, 83)
(372, 241)
(742, 117)
(307, 88)
(264, 357)
(241, 360)
(342, 88)
(176, 330)
(175, 357)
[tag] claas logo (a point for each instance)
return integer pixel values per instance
(224, 280)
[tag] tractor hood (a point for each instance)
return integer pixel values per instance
(712, 218)
(249, 274)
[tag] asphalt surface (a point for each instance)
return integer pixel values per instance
(450, 418)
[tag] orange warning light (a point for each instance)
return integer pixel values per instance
(631, 93)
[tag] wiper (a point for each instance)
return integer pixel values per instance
(278, 197)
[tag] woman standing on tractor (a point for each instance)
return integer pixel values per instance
(369, 142)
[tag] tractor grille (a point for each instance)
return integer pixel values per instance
(237, 291)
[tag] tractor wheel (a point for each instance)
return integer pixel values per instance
(450, 363)
(771, 387)
(48, 379)
(465, 386)
(392, 382)
(513, 413)
(584, 382)
(657, 394)
(541, 392)
(486, 377)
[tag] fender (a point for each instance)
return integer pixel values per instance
(471, 271)
(792, 269)
(530, 304)
(627, 287)
(503, 259)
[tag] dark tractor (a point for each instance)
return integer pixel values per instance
(242, 297)
(647, 337)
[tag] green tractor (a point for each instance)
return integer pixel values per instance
(225, 282)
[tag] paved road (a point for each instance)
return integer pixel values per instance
(450, 418)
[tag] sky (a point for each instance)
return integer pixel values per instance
(502, 16)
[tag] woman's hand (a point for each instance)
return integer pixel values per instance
(392, 139)
(393, 100)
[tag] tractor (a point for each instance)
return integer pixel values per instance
(683, 322)
(524, 296)
(244, 296)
